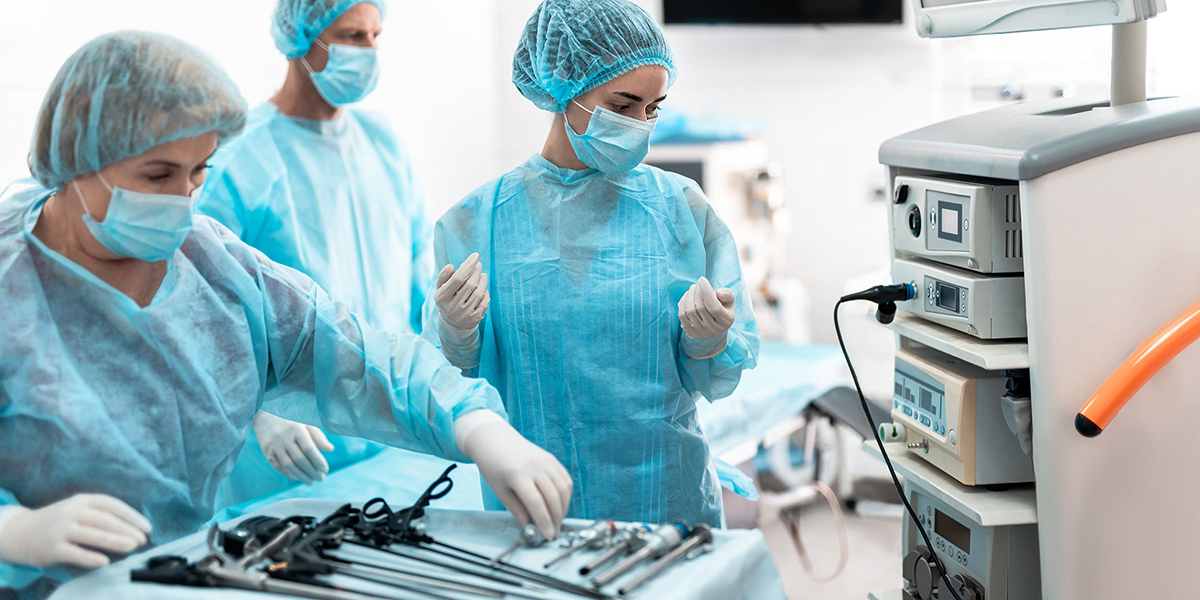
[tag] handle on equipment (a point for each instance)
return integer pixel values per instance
(1144, 363)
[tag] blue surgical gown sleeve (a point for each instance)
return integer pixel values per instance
(422, 252)
(330, 369)
(237, 195)
(717, 377)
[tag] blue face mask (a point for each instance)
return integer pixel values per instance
(349, 75)
(612, 143)
(149, 227)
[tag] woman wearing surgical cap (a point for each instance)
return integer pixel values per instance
(139, 341)
(324, 187)
(600, 296)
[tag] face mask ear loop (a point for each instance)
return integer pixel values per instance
(78, 192)
(304, 60)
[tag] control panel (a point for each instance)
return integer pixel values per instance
(972, 226)
(987, 307)
(950, 414)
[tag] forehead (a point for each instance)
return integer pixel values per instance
(185, 150)
(364, 15)
(647, 81)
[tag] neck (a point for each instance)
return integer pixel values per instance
(558, 148)
(60, 227)
(299, 97)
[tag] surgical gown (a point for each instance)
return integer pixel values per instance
(582, 335)
(152, 405)
(338, 201)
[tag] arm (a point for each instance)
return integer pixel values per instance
(713, 366)
(456, 308)
(329, 369)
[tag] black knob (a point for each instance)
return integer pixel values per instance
(967, 588)
(914, 221)
(901, 195)
(927, 575)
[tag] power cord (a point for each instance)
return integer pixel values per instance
(886, 297)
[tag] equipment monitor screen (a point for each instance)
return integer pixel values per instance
(952, 531)
(948, 297)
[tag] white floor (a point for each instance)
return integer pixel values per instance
(874, 562)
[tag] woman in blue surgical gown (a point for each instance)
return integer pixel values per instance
(600, 296)
(139, 340)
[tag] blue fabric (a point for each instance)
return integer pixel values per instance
(124, 93)
(570, 47)
(338, 201)
(151, 405)
(585, 271)
(295, 24)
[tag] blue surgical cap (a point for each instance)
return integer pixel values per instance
(570, 47)
(124, 93)
(296, 23)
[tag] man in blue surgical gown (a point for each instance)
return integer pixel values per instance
(327, 189)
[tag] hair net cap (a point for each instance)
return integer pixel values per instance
(297, 23)
(124, 93)
(570, 47)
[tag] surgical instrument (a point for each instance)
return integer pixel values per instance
(700, 538)
(530, 538)
(663, 540)
(625, 542)
(592, 537)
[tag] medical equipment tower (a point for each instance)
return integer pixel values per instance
(1100, 201)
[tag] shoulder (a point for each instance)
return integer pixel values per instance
(15, 198)
(379, 130)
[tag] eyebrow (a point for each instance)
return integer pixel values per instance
(637, 98)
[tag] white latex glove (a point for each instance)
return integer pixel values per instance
(462, 295)
(71, 531)
(706, 315)
(530, 482)
(293, 449)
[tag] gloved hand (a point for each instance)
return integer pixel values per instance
(530, 482)
(293, 449)
(706, 314)
(67, 531)
(462, 295)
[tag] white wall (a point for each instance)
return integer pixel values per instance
(829, 96)
(438, 84)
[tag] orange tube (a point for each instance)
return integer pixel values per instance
(1143, 364)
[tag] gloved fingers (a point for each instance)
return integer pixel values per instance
(100, 539)
(463, 297)
(725, 295)
(708, 297)
(478, 294)
(510, 501)
(535, 503)
(444, 275)
(319, 439)
(460, 276)
(685, 308)
(104, 520)
(74, 555)
(550, 492)
(301, 463)
(123, 511)
(282, 463)
(701, 320)
(312, 454)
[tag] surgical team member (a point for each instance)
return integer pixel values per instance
(615, 292)
(139, 341)
(327, 189)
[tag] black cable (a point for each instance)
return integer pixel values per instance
(837, 327)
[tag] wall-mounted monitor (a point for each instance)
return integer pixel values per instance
(781, 12)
